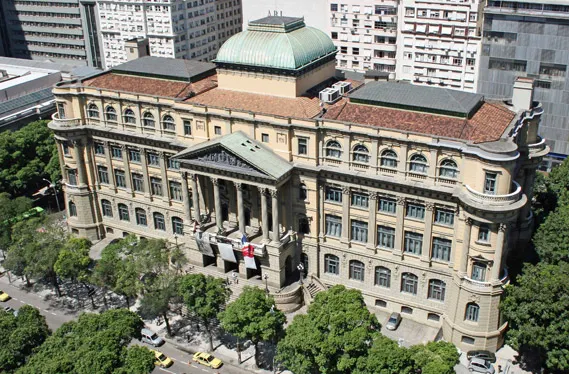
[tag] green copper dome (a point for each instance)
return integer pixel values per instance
(276, 43)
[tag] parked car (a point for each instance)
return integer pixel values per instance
(393, 321)
(162, 360)
(9, 309)
(485, 355)
(479, 365)
(151, 338)
(207, 360)
(4, 296)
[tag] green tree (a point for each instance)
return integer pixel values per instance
(94, 344)
(537, 309)
(337, 331)
(435, 357)
(137, 360)
(253, 316)
(156, 303)
(386, 357)
(204, 297)
(9, 209)
(19, 336)
(73, 260)
(26, 157)
(551, 239)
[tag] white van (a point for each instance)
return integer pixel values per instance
(151, 338)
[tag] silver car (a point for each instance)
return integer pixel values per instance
(479, 365)
(393, 321)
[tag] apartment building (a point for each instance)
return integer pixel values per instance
(174, 28)
(414, 195)
(63, 31)
(315, 12)
(530, 39)
(439, 43)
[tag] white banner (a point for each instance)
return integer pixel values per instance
(226, 252)
(203, 244)
(250, 262)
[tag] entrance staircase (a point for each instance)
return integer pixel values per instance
(313, 287)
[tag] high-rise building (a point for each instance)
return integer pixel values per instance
(315, 12)
(174, 28)
(530, 39)
(413, 195)
(439, 43)
(59, 30)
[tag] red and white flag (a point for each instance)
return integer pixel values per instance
(248, 253)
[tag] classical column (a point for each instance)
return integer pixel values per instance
(400, 214)
(372, 229)
(126, 162)
(62, 162)
(433, 164)
(80, 162)
(240, 207)
(497, 266)
(145, 176)
(186, 197)
(264, 213)
(195, 196)
(276, 230)
(110, 169)
(217, 198)
(345, 215)
(165, 184)
(427, 240)
(465, 245)
(402, 165)
(321, 214)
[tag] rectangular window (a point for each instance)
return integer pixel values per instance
(173, 164)
(138, 182)
(153, 159)
(156, 186)
(134, 155)
(217, 130)
(333, 194)
(120, 178)
(333, 7)
(484, 234)
(413, 243)
(61, 110)
(490, 183)
(444, 217)
(331, 264)
(387, 205)
(302, 146)
(479, 272)
(99, 149)
(385, 237)
(359, 231)
(176, 191)
(187, 127)
(265, 138)
(416, 211)
(116, 152)
(72, 177)
(441, 249)
(103, 173)
(507, 64)
(360, 200)
(333, 226)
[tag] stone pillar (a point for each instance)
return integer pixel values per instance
(465, 245)
(217, 198)
(345, 215)
(110, 169)
(240, 207)
(80, 162)
(145, 176)
(186, 197)
(264, 213)
(62, 162)
(427, 238)
(195, 196)
(164, 175)
(402, 165)
(372, 225)
(499, 251)
(399, 232)
(321, 214)
(276, 221)
(127, 174)
(432, 172)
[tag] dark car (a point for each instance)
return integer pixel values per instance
(485, 355)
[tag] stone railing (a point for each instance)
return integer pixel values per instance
(495, 199)
(504, 280)
(66, 122)
(538, 149)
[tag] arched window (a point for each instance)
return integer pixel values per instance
(388, 159)
(357, 270)
(448, 169)
(418, 164)
(148, 120)
(72, 209)
(437, 289)
(107, 208)
(302, 192)
(168, 123)
(361, 154)
(123, 213)
(409, 283)
(382, 276)
(140, 217)
(331, 264)
(111, 114)
(159, 223)
(177, 226)
(93, 111)
(472, 311)
(333, 149)
(129, 117)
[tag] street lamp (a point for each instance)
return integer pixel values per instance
(266, 278)
(300, 268)
(52, 185)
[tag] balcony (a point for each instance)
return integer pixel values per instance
(487, 202)
(504, 281)
(63, 123)
(538, 149)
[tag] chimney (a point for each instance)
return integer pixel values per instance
(522, 96)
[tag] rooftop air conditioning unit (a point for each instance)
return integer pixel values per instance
(343, 87)
(329, 95)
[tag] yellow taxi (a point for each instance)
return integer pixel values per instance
(207, 360)
(162, 360)
(4, 296)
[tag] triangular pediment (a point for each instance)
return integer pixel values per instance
(220, 157)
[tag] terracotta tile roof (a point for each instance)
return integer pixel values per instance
(488, 124)
(300, 107)
(150, 86)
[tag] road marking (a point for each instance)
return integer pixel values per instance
(21, 301)
(207, 371)
(14, 299)
(194, 366)
(53, 313)
(166, 370)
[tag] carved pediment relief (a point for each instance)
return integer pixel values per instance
(220, 157)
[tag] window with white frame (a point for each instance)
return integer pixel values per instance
(331, 264)
(72, 177)
(333, 194)
(156, 186)
(138, 182)
(409, 283)
(448, 169)
(333, 149)
(103, 174)
(441, 249)
(357, 270)
(444, 217)
(382, 276)
(490, 183)
(107, 208)
(418, 164)
(148, 120)
(413, 243)
(387, 205)
(484, 233)
(72, 209)
(99, 149)
(478, 271)
(123, 213)
(187, 127)
(177, 226)
(385, 237)
(360, 200)
(140, 217)
(389, 159)
(129, 117)
(361, 154)
(110, 114)
(472, 312)
(93, 111)
(359, 231)
(333, 225)
(168, 123)
(415, 211)
(159, 223)
(437, 289)
(176, 191)
(120, 178)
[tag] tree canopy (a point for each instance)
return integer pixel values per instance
(385, 357)
(435, 357)
(10, 208)
(551, 239)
